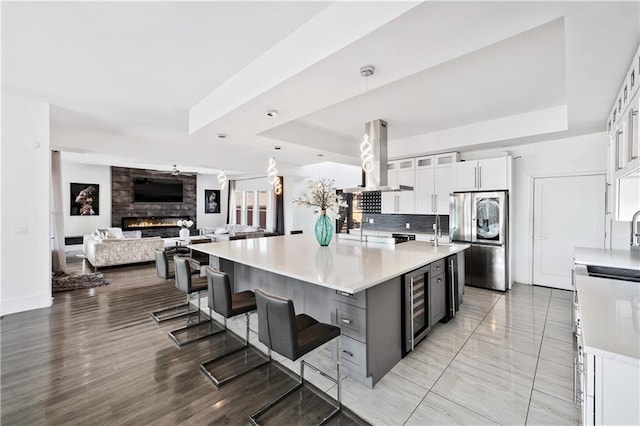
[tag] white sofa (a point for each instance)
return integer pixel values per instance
(232, 232)
(119, 248)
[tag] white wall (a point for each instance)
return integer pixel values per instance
(304, 218)
(25, 261)
(210, 219)
(83, 173)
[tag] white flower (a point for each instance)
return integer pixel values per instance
(184, 223)
(321, 195)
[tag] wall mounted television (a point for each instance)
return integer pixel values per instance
(147, 190)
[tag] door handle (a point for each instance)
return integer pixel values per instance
(475, 177)
(479, 177)
(347, 321)
(435, 203)
(411, 313)
(453, 288)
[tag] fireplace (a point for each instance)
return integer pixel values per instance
(152, 226)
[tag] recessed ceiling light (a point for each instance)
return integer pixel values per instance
(277, 148)
(272, 113)
(319, 155)
(222, 135)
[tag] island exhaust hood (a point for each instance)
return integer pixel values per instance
(376, 179)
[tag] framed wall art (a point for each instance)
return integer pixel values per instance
(212, 201)
(85, 199)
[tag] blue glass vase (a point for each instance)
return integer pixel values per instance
(324, 229)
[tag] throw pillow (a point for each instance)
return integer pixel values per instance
(115, 233)
(220, 231)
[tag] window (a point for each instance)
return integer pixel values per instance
(255, 204)
(250, 202)
(263, 200)
(239, 197)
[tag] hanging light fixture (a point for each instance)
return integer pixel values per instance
(366, 149)
(366, 154)
(272, 176)
(222, 179)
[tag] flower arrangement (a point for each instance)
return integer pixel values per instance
(184, 224)
(321, 196)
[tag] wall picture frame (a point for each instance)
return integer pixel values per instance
(211, 201)
(84, 199)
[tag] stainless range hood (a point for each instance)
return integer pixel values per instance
(376, 179)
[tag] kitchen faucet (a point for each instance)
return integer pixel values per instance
(635, 234)
(436, 231)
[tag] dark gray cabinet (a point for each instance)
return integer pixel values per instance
(437, 293)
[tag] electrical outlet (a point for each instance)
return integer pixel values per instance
(408, 226)
(20, 231)
(370, 220)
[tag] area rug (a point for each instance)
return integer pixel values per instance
(62, 282)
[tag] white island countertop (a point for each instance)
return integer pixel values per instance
(344, 265)
(610, 316)
(625, 259)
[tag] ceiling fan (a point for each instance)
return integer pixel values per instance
(173, 172)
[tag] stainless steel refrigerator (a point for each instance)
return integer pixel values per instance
(482, 220)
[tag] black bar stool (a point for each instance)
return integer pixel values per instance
(293, 336)
(165, 270)
(228, 304)
(204, 327)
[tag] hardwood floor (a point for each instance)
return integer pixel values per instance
(97, 357)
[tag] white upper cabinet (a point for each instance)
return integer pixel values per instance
(624, 147)
(434, 183)
(490, 174)
(400, 172)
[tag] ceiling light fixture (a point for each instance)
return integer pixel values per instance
(272, 113)
(366, 149)
(222, 179)
(222, 135)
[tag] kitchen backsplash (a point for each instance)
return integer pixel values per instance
(398, 222)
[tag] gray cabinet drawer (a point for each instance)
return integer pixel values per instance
(358, 299)
(352, 321)
(437, 267)
(354, 355)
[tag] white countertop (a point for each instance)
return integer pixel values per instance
(625, 259)
(344, 265)
(610, 316)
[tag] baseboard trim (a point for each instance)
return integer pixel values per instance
(22, 304)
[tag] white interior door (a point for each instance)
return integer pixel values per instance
(568, 212)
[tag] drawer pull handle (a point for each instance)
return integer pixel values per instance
(347, 321)
(349, 354)
(439, 280)
(344, 293)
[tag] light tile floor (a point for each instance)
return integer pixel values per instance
(506, 358)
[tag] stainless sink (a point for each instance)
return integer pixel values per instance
(614, 273)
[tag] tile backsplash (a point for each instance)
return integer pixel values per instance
(397, 222)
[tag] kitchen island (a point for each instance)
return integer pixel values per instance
(355, 285)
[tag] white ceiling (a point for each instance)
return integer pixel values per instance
(150, 84)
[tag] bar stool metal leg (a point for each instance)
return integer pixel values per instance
(208, 367)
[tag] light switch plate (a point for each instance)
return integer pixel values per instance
(20, 231)
(408, 226)
(370, 220)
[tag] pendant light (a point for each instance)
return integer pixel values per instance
(222, 179)
(366, 149)
(272, 176)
